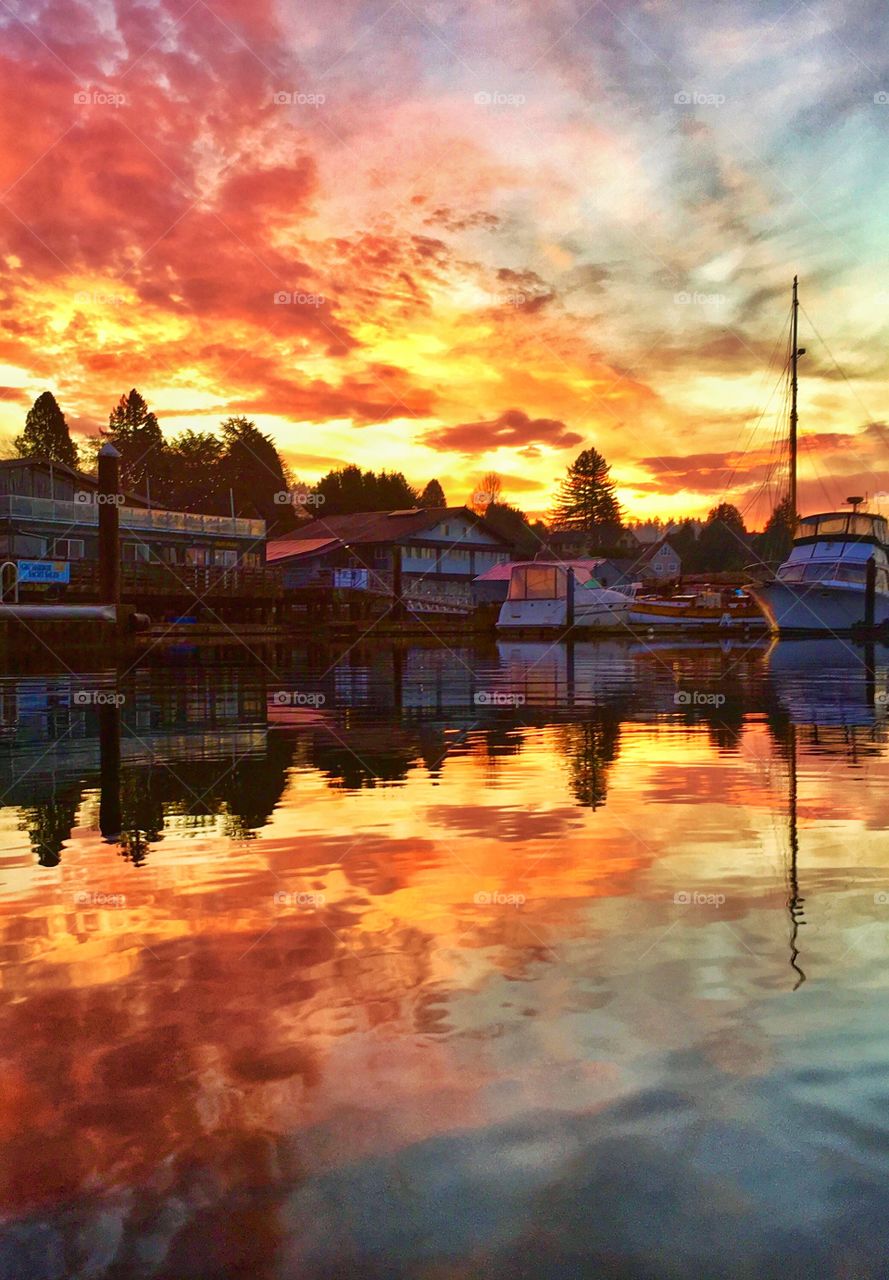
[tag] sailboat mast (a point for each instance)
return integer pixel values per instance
(794, 359)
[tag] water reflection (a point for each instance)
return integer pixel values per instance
(394, 966)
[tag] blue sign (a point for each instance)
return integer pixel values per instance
(44, 571)
(355, 578)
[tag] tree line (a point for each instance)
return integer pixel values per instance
(240, 470)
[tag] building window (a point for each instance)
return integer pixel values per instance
(29, 547)
(225, 559)
(170, 555)
(199, 556)
(67, 549)
(134, 552)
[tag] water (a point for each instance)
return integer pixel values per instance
(447, 963)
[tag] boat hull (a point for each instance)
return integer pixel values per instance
(659, 614)
(826, 609)
(604, 614)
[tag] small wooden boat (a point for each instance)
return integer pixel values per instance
(718, 610)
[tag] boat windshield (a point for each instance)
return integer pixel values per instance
(838, 571)
(537, 582)
(844, 523)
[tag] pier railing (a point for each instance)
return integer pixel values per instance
(141, 582)
(141, 519)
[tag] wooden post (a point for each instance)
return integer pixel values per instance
(398, 602)
(109, 530)
(569, 606)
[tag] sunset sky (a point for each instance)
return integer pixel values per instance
(507, 230)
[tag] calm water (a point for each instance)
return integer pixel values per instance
(446, 964)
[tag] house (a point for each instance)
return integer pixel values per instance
(660, 561)
(49, 511)
(618, 571)
(572, 544)
(438, 552)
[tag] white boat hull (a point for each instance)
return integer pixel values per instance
(831, 609)
(607, 612)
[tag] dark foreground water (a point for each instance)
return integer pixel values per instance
(447, 964)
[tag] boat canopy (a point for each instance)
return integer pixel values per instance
(546, 581)
(538, 582)
(844, 524)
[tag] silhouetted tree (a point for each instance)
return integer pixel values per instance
(198, 479)
(586, 501)
(776, 539)
(512, 524)
(488, 491)
(433, 495)
(723, 543)
(255, 472)
(683, 538)
(136, 435)
(349, 489)
(46, 433)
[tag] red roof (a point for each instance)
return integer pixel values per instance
(282, 548)
(374, 526)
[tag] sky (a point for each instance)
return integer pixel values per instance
(450, 238)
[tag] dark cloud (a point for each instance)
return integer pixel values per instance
(514, 429)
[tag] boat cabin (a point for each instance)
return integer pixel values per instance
(843, 526)
(548, 579)
(836, 546)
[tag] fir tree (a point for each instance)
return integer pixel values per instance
(433, 495)
(136, 435)
(586, 501)
(46, 433)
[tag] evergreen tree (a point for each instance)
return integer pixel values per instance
(46, 433)
(433, 495)
(776, 539)
(723, 543)
(255, 473)
(586, 501)
(683, 538)
(136, 435)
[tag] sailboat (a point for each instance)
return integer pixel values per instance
(836, 577)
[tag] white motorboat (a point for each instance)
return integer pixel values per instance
(822, 585)
(551, 594)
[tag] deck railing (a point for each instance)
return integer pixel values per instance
(59, 511)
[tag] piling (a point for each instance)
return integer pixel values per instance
(109, 524)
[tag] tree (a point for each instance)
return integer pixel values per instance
(488, 490)
(776, 539)
(256, 474)
(433, 495)
(683, 538)
(197, 473)
(46, 433)
(723, 543)
(350, 489)
(586, 503)
(512, 524)
(136, 435)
